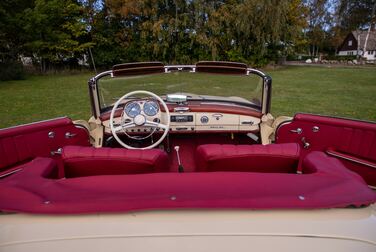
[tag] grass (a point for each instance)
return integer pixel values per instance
(346, 92)
(43, 97)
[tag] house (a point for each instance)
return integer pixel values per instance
(354, 44)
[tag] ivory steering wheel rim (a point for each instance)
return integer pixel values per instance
(165, 126)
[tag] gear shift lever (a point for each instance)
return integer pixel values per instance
(180, 167)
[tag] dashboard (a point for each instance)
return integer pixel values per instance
(192, 117)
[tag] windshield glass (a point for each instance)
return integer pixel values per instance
(244, 89)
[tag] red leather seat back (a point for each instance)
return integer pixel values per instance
(279, 158)
(89, 161)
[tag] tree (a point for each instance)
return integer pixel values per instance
(12, 38)
(55, 32)
(318, 19)
(350, 15)
(354, 14)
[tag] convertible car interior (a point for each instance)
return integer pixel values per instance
(154, 143)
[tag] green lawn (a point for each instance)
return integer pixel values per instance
(348, 92)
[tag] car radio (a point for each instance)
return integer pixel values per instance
(182, 118)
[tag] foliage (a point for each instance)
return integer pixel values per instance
(188, 31)
(354, 14)
(11, 38)
(340, 58)
(56, 34)
(11, 71)
(60, 32)
(350, 15)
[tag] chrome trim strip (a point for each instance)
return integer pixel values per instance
(32, 123)
(100, 75)
(350, 159)
(265, 95)
(279, 126)
(228, 103)
(180, 66)
(93, 85)
(10, 173)
(79, 126)
(252, 70)
(336, 117)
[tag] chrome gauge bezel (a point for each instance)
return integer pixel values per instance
(154, 105)
(129, 109)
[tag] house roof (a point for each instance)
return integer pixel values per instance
(360, 36)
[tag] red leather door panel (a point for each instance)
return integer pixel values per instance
(353, 142)
(22, 143)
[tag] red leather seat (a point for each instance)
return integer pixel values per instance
(89, 161)
(248, 158)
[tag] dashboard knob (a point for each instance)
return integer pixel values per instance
(204, 119)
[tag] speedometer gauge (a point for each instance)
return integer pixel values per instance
(132, 109)
(151, 108)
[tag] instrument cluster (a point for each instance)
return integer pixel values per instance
(134, 108)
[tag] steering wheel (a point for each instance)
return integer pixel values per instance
(140, 120)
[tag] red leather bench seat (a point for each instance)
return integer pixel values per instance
(89, 161)
(331, 185)
(278, 158)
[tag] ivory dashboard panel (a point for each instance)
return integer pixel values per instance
(200, 122)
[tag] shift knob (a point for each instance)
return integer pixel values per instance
(180, 166)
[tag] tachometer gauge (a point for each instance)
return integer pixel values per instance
(151, 108)
(132, 109)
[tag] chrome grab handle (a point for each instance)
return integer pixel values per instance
(306, 145)
(298, 131)
(69, 135)
(57, 152)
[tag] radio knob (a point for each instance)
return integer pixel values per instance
(204, 119)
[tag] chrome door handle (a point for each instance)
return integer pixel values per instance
(306, 145)
(57, 152)
(298, 131)
(69, 135)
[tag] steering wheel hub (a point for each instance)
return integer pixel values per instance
(139, 120)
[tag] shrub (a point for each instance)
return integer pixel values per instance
(337, 57)
(11, 71)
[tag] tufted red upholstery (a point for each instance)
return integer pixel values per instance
(89, 161)
(251, 158)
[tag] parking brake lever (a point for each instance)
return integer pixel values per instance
(180, 167)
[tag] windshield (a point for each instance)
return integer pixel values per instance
(244, 89)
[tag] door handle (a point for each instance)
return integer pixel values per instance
(306, 145)
(69, 135)
(57, 152)
(298, 131)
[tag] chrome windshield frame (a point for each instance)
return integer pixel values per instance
(95, 95)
